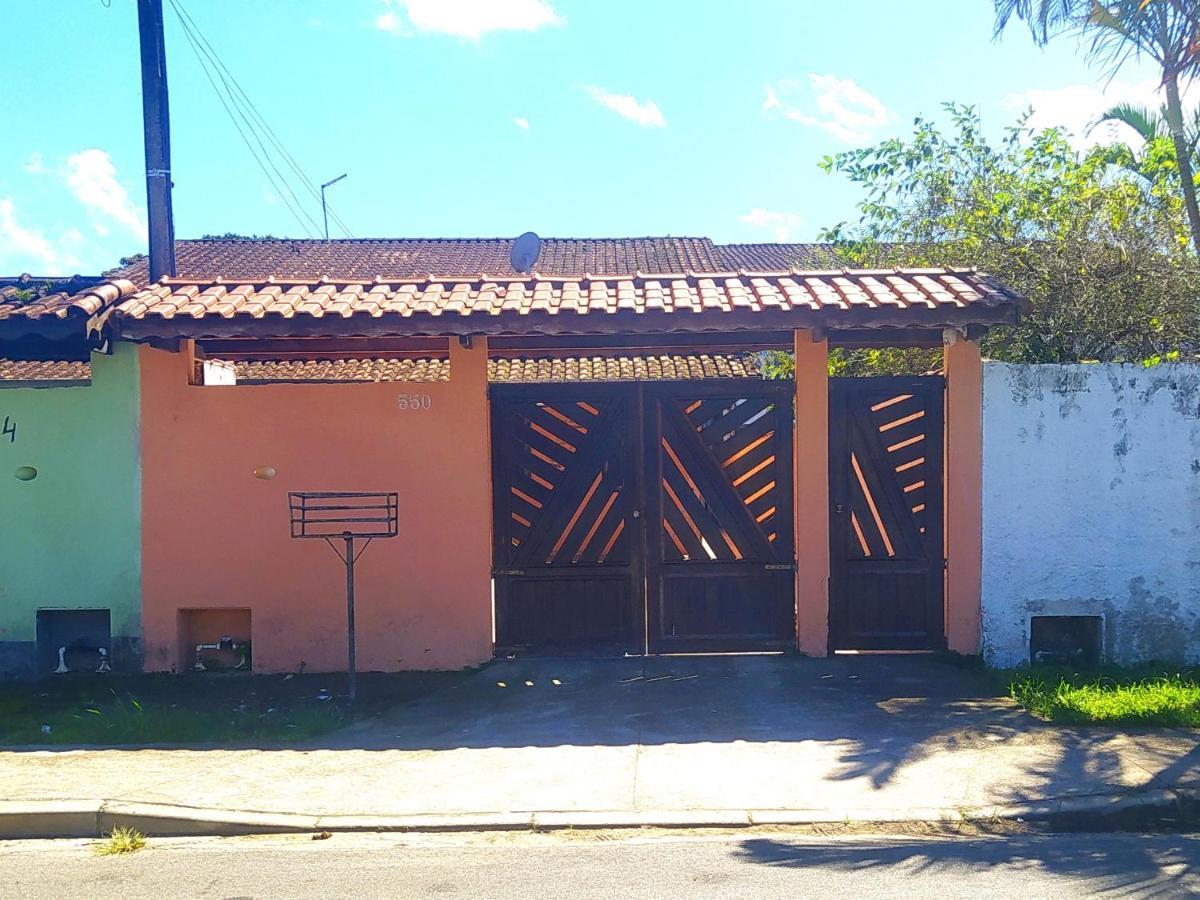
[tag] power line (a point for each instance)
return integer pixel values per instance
(198, 40)
(263, 160)
(226, 77)
(233, 118)
(237, 104)
(266, 155)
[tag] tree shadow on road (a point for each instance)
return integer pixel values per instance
(1108, 864)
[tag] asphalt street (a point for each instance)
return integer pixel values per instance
(626, 865)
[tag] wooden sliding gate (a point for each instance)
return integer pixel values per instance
(643, 518)
(886, 490)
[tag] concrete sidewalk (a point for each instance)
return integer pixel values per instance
(604, 743)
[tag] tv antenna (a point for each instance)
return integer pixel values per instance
(525, 250)
(324, 211)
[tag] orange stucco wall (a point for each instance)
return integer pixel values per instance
(216, 536)
(964, 493)
(812, 494)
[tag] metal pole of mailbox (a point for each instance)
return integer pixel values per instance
(326, 515)
(350, 616)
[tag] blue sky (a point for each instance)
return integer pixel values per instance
(580, 118)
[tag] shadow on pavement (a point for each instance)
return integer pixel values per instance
(713, 732)
(1108, 865)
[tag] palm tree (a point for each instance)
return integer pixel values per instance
(1166, 31)
(1148, 123)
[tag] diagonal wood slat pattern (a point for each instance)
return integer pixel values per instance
(887, 554)
(889, 458)
(564, 483)
(721, 484)
(643, 518)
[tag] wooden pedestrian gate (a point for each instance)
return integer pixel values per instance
(643, 518)
(886, 528)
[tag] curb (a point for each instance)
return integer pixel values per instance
(89, 819)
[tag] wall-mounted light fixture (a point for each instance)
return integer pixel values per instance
(25, 473)
(264, 473)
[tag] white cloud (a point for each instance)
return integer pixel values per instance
(21, 241)
(35, 165)
(838, 106)
(772, 100)
(521, 122)
(92, 178)
(645, 113)
(100, 229)
(780, 223)
(23, 247)
(390, 22)
(468, 19)
(1075, 107)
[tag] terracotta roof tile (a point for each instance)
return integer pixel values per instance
(30, 300)
(349, 260)
(773, 257)
(16, 370)
(424, 306)
(679, 367)
(380, 287)
(335, 370)
(641, 367)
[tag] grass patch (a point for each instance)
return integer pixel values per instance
(1128, 697)
(121, 840)
(198, 708)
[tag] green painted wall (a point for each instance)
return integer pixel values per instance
(71, 537)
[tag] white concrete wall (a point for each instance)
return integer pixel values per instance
(1091, 506)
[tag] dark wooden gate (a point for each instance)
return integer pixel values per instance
(719, 517)
(637, 519)
(886, 543)
(567, 559)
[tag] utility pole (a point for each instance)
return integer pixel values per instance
(156, 121)
(324, 211)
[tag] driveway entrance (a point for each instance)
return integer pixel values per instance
(637, 519)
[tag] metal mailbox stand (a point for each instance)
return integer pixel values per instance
(344, 515)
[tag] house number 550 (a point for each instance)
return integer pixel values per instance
(414, 401)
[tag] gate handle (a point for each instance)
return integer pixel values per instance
(637, 513)
(838, 509)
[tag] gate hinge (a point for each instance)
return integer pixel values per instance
(509, 572)
(779, 567)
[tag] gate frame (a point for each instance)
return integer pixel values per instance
(963, 475)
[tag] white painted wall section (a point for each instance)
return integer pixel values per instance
(1091, 506)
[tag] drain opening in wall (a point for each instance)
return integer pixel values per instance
(215, 639)
(73, 640)
(1065, 640)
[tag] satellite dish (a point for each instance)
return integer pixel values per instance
(525, 250)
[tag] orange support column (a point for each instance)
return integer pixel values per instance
(964, 491)
(812, 494)
(468, 367)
